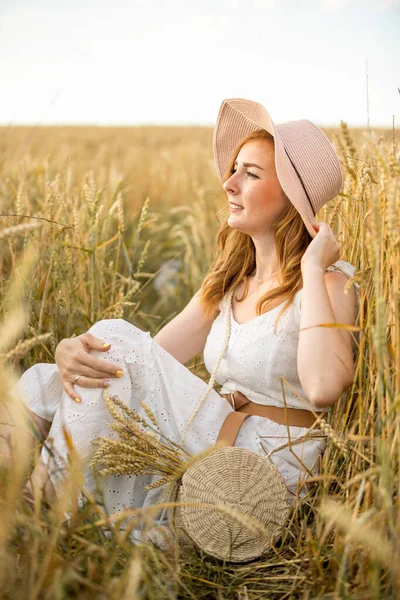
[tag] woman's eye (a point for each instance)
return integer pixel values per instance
(248, 173)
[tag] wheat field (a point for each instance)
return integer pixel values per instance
(120, 223)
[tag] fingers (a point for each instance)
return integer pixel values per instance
(324, 227)
(321, 226)
(101, 367)
(85, 365)
(69, 389)
(76, 358)
(93, 343)
(89, 372)
(83, 362)
(86, 382)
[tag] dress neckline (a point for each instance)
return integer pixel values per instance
(258, 316)
(339, 263)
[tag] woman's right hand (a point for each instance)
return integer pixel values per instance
(73, 358)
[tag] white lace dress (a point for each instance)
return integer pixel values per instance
(255, 359)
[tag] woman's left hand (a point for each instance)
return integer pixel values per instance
(323, 250)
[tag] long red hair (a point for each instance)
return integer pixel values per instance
(235, 255)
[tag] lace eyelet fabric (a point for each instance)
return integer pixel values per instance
(255, 359)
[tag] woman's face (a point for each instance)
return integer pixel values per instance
(255, 188)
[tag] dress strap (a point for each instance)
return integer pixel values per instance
(222, 303)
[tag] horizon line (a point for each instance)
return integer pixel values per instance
(199, 125)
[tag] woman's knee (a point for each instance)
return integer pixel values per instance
(128, 342)
(114, 327)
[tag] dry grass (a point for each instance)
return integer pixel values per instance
(90, 249)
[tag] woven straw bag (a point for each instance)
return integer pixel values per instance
(232, 504)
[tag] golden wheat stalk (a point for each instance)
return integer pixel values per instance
(23, 346)
(139, 449)
(18, 229)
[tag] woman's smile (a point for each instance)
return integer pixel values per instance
(235, 207)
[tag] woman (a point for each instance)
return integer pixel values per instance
(287, 278)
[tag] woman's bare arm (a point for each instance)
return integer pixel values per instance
(325, 360)
(185, 336)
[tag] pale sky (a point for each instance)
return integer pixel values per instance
(117, 62)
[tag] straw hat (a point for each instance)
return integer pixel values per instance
(248, 505)
(306, 163)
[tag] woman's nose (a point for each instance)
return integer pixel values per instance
(230, 184)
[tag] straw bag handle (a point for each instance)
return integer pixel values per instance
(213, 377)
